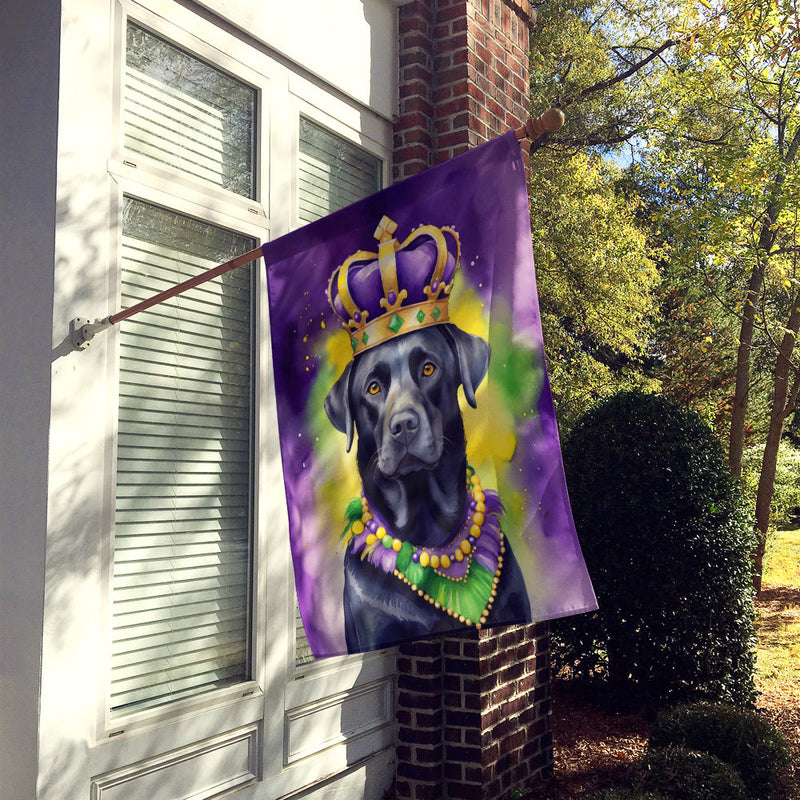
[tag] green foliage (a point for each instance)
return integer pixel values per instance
(741, 738)
(596, 282)
(683, 774)
(717, 152)
(595, 273)
(720, 174)
(703, 101)
(666, 540)
(695, 344)
(594, 59)
(786, 490)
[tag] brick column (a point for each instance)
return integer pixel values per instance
(413, 125)
(473, 714)
(508, 672)
(473, 711)
(420, 721)
(463, 77)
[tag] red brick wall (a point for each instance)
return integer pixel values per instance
(463, 77)
(413, 125)
(473, 711)
(473, 714)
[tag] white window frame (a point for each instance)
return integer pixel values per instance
(137, 177)
(308, 101)
(311, 687)
(112, 727)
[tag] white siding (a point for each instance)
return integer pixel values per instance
(27, 219)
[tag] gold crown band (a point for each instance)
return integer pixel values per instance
(404, 320)
(395, 318)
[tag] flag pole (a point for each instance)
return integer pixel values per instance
(179, 288)
(82, 331)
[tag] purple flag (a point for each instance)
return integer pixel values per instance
(421, 461)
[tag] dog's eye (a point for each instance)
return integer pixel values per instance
(428, 369)
(374, 387)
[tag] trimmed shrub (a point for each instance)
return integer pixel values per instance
(683, 774)
(666, 539)
(741, 738)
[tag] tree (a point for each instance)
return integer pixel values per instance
(596, 278)
(757, 43)
(597, 60)
(694, 341)
(596, 281)
(726, 149)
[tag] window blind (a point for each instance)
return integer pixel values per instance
(332, 173)
(182, 541)
(187, 114)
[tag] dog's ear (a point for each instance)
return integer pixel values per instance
(337, 406)
(473, 359)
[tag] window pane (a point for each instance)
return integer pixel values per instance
(333, 173)
(182, 542)
(185, 113)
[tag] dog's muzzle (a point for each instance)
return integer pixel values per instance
(411, 442)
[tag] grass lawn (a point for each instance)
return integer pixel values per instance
(783, 559)
(778, 629)
(778, 623)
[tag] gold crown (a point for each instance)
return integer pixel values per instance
(401, 288)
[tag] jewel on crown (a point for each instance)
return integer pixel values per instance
(402, 287)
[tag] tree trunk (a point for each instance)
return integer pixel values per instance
(742, 388)
(784, 398)
(766, 240)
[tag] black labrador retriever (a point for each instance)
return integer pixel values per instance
(400, 397)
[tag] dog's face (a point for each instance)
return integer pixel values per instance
(401, 397)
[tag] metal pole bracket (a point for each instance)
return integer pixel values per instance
(82, 330)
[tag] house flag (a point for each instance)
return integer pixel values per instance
(421, 462)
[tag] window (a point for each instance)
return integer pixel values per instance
(332, 173)
(169, 641)
(183, 541)
(186, 114)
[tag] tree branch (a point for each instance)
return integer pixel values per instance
(720, 140)
(601, 86)
(578, 143)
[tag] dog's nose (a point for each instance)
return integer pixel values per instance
(404, 426)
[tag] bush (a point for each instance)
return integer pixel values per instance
(786, 489)
(743, 739)
(683, 774)
(666, 540)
